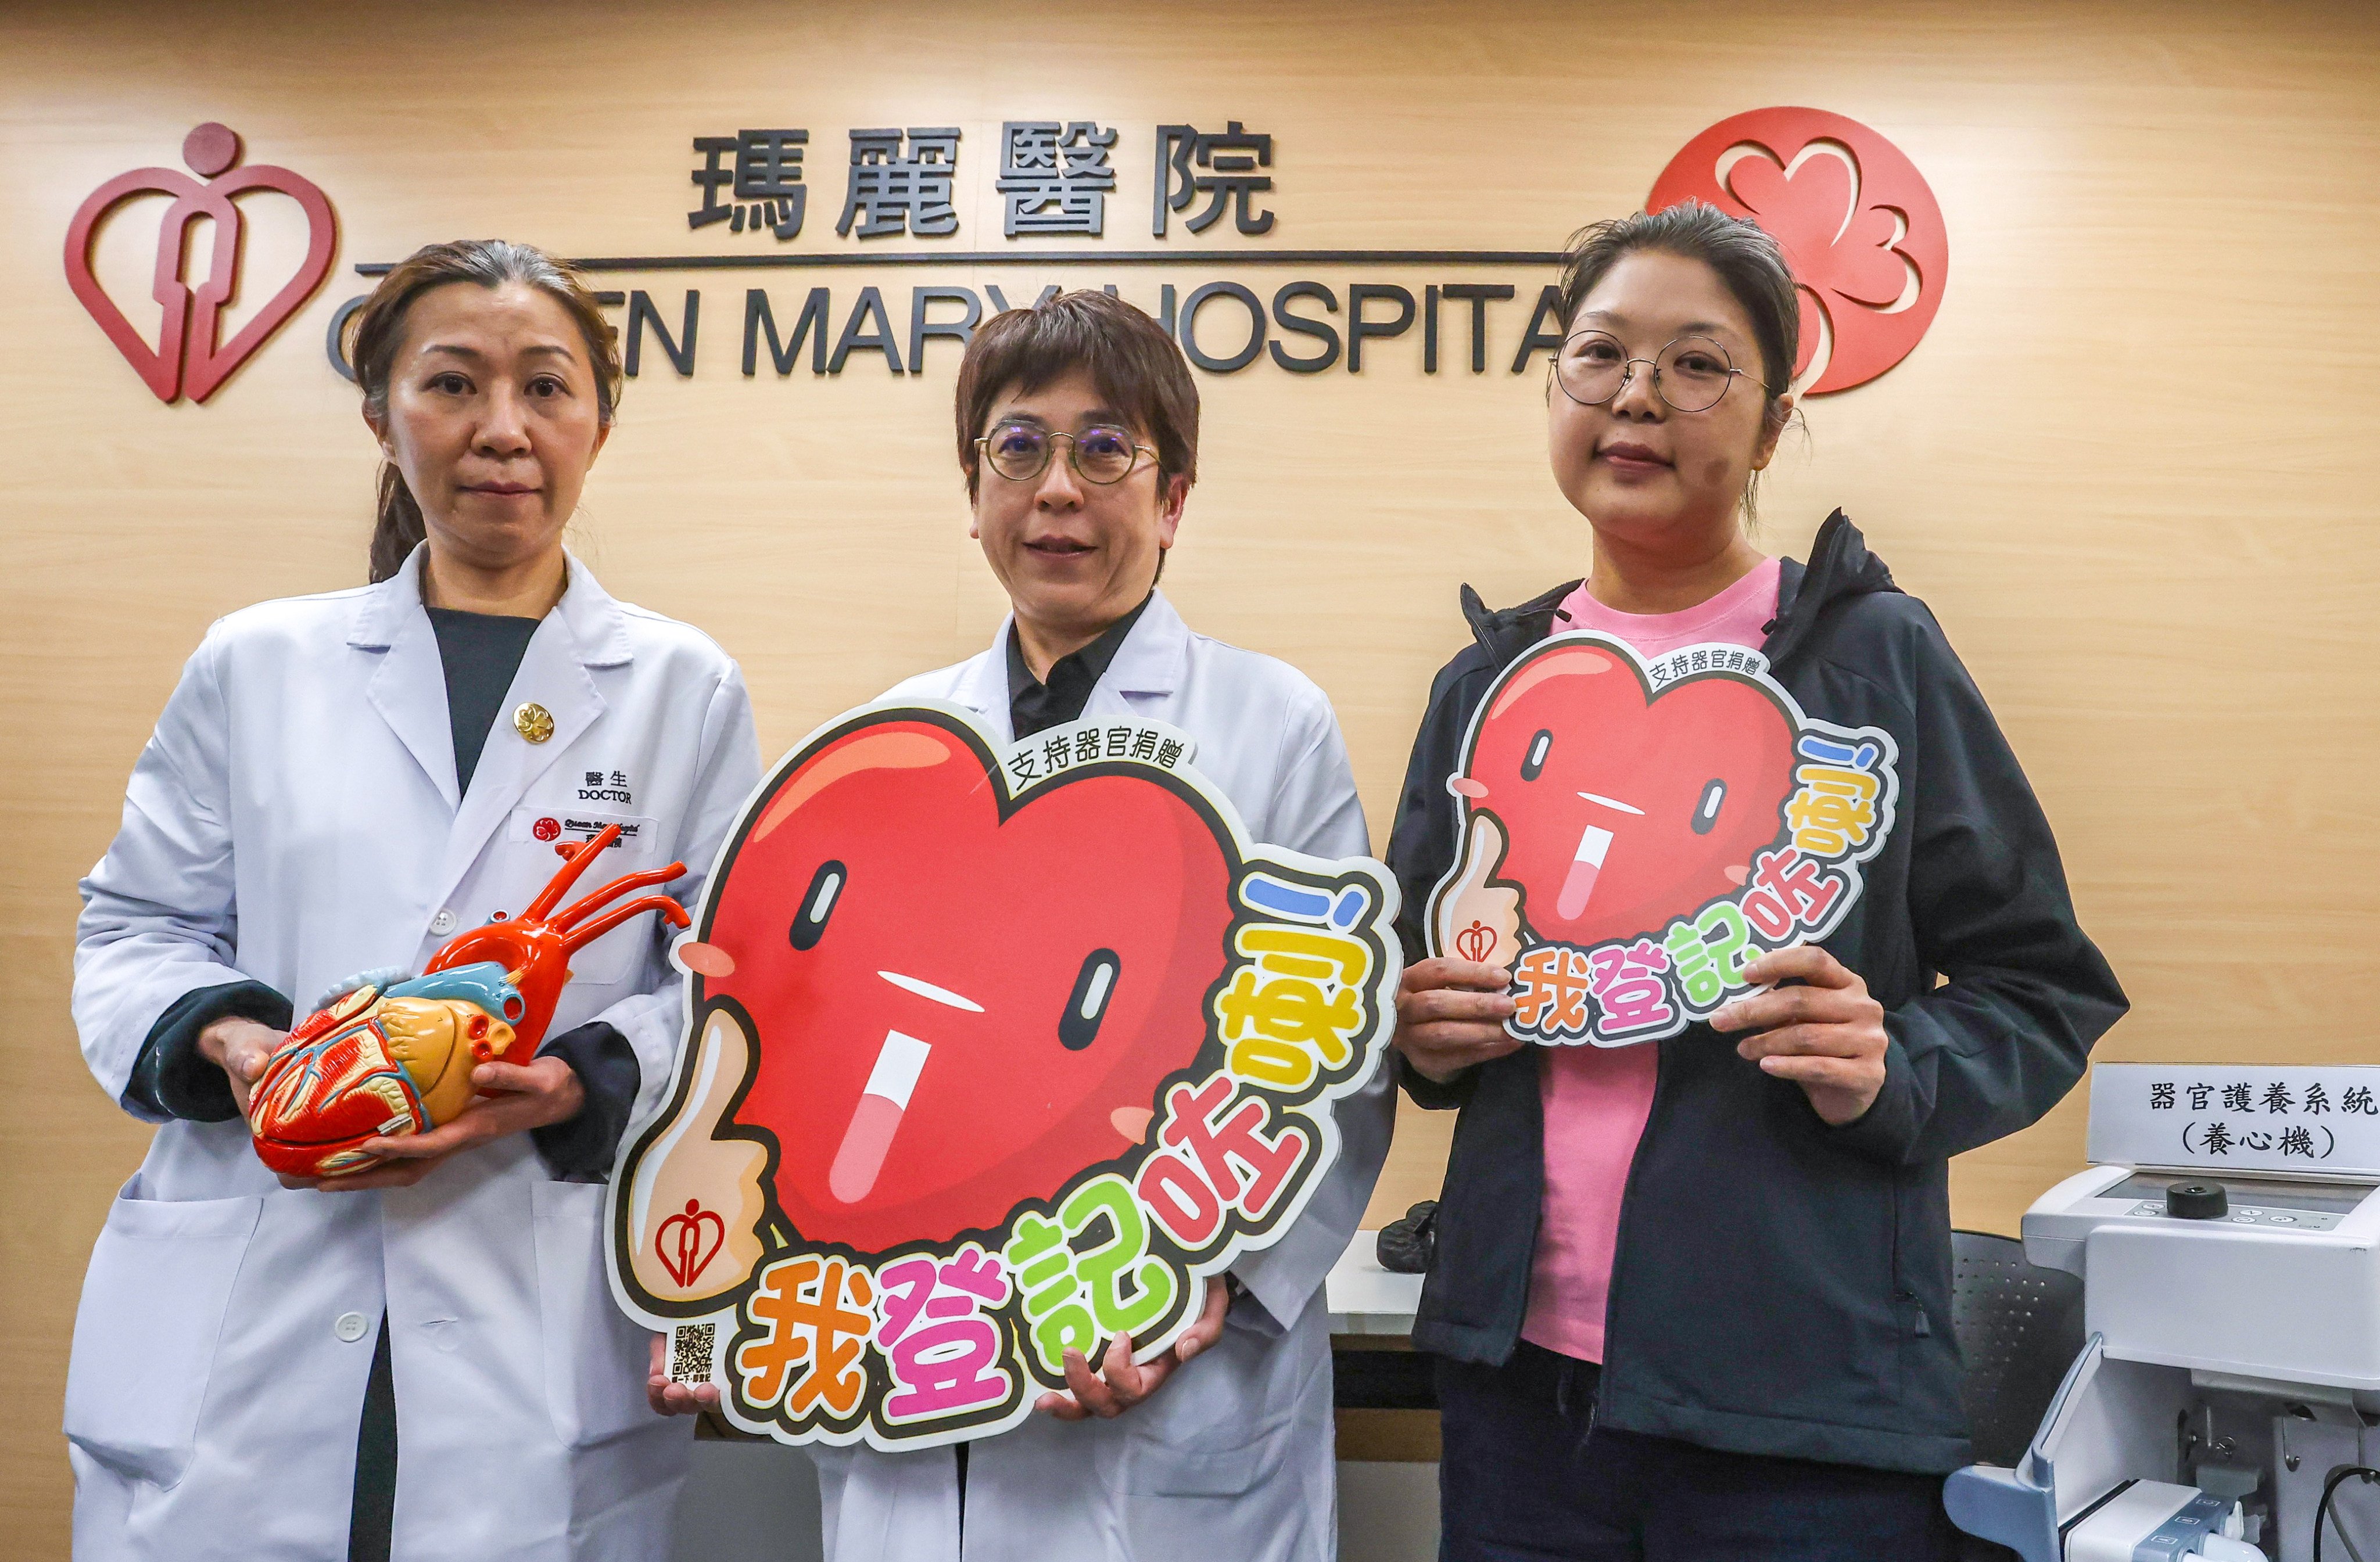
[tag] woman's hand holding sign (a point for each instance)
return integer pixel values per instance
(1451, 1009)
(1120, 1383)
(1826, 1036)
(1450, 1014)
(669, 1397)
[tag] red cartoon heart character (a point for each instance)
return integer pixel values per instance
(958, 1000)
(1598, 808)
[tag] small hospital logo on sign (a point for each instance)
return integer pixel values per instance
(546, 828)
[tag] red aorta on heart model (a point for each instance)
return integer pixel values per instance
(377, 1063)
(536, 949)
(959, 1002)
(1623, 806)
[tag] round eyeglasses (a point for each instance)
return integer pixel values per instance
(1690, 374)
(1102, 453)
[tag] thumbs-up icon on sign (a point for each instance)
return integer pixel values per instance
(1473, 917)
(696, 1212)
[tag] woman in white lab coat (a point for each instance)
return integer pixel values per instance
(422, 1361)
(1077, 431)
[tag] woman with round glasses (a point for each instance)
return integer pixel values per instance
(1691, 1299)
(1079, 439)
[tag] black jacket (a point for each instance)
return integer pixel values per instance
(1782, 1287)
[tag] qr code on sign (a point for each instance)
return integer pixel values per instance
(690, 1348)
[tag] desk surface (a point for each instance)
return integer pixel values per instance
(1364, 1298)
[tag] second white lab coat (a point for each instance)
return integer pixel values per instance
(294, 820)
(1233, 1457)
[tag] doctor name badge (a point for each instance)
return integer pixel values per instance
(994, 1054)
(631, 835)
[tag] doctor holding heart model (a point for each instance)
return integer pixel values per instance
(1690, 1297)
(420, 1359)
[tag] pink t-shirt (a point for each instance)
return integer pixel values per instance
(1596, 1099)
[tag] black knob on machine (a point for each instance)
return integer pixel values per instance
(2196, 1201)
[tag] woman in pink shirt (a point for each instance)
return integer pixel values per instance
(1692, 1296)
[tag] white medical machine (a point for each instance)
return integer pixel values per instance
(2228, 1402)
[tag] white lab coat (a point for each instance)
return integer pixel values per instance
(1232, 1457)
(294, 820)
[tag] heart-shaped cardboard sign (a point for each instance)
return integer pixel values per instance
(991, 1055)
(1626, 804)
(1632, 835)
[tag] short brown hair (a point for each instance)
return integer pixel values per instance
(377, 330)
(1134, 364)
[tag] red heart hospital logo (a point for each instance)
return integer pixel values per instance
(189, 357)
(1858, 224)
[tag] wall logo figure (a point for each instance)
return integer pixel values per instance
(1858, 224)
(189, 357)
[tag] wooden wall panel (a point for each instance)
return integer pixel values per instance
(2126, 468)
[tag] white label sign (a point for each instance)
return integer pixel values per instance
(2315, 1122)
(566, 826)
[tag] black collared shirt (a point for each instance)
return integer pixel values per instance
(1035, 706)
(480, 653)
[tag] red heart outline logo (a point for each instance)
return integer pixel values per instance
(1858, 224)
(187, 356)
(678, 1241)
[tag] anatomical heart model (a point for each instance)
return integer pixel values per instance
(1632, 836)
(389, 1053)
(990, 1055)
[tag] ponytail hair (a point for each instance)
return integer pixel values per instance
(377, 330)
